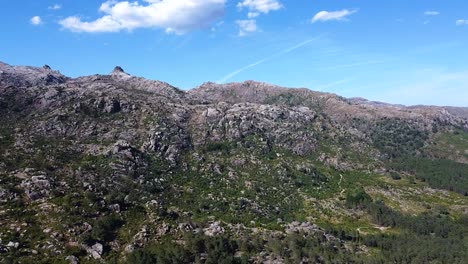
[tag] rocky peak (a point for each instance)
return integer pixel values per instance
(118, 69)
(27, 76)
(120, 74)
(247, 91)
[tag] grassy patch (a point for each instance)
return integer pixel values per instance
(452, 145)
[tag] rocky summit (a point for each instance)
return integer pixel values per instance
(121, 169)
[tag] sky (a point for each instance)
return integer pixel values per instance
(402, 51)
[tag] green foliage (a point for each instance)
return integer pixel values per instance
(292, 248)
(357, 198)
(431, 237)
(250, 181)
(141, 257)
(6, 137)
(441, 174)
(450, 145)
(219, 147)
(98, 164)
(395, 175)
(74, 251)
(215, 250)
(288, 99)
(105, 228)
(398, 138)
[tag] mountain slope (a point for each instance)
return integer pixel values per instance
(121, 168)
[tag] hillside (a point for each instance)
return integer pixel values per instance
(120, 169)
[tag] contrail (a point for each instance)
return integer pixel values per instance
(285, 51)
(361, 63)
(298, 46)
(330, 85)
(234, 73)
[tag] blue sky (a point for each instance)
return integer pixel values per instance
(408, 52)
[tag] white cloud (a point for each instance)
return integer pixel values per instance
(340, 15)
(217, 26)
(255, 7)
(36, 20)
(432, 13)
(55, 7)
(247, 26)
(253, 14)
(176, 16)
(263, 6)
(461, 22)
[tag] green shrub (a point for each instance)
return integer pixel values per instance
(104, 228)
(357, 198)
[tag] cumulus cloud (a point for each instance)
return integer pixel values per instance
(263, 6)
(431, 13)
(255, 8)
(247, 26)
(340, 15)
(36, 20)
(461, 22)
(177, 16)
(55, 7)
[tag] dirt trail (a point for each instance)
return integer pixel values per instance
(339, 185)
(381, 228)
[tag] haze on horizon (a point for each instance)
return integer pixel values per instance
(397, 52)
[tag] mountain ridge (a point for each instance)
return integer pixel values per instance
(118, 168)
(119, 72)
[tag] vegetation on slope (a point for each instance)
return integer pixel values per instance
(113, 174)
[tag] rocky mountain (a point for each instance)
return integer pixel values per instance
(121, 169)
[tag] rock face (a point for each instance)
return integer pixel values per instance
(113, 163)
(214, 229)
(25, 76)
(118, 69)
(96, 250)
(72, 259)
